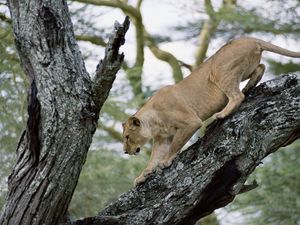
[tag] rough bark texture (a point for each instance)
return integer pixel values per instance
(211, 172)
(63, 109)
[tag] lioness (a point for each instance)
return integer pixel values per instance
(175, 112)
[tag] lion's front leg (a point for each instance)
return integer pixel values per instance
(160, 149)
(143, 176)
(180, 139)
(151, 167)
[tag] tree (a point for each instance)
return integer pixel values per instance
(53, 46)
(63, 109)
(276, 201)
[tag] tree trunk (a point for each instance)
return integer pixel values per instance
(63, 109)
(210, 173)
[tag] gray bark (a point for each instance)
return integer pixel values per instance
(63, 109)
(211, 172)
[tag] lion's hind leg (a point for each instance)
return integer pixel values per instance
(255, 77)
(230, 87)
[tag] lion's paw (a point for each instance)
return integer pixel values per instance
(219, 115)
(165, 163)
(139, 180)
(158, 169)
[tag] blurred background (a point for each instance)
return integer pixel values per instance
(167, 39)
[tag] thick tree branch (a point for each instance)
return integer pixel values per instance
(211, 172)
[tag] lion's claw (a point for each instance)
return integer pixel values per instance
(139, 180)
(165, 163)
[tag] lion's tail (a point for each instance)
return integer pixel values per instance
(276, 49)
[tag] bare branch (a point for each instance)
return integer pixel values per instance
(130, 10)
(209, 9)
(165, 56)
(92, 39)
(116, 135)
(188, 66)
(139, 4)
(108, 67)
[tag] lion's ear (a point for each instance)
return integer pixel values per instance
(134, 122)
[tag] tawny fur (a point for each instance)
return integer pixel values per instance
(175, 112)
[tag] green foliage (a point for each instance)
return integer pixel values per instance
(209, 220)
(12, 104)
(277, 198)
(281, 68)
(243, 21)
(105, 175)
(274, 17)
(13, 90)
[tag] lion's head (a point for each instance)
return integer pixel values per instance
(133, 136)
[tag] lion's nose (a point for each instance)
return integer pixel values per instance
(126, 152)
(138, 150)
